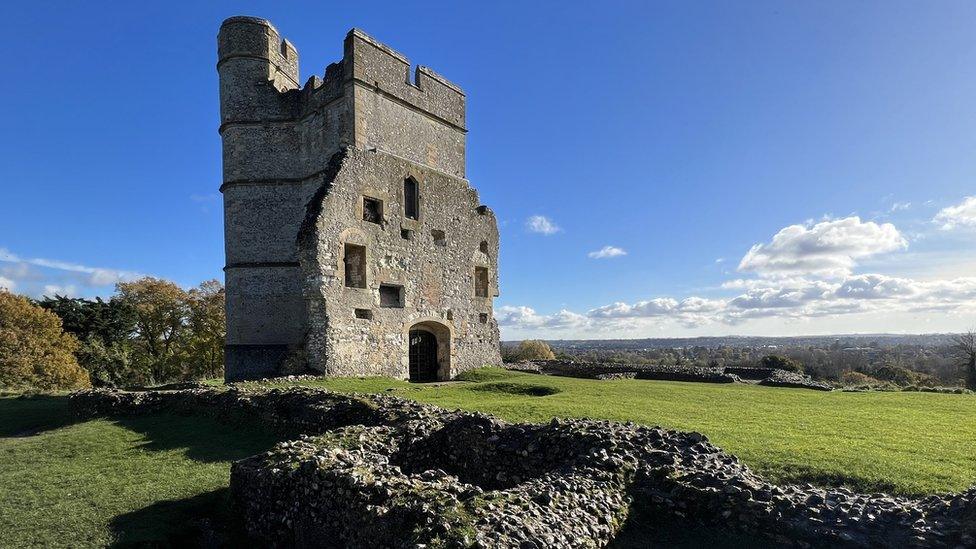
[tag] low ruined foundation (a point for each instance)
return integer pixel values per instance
(380, 471)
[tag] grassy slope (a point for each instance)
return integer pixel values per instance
(87, 484)
(908, 443)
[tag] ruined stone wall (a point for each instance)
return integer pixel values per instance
(278, 139)
(435, 272)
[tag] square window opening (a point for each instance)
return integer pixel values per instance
(364, 314)
(391, 296)
(372, 210)
(483, 318)
(406, 234)
(440, 239)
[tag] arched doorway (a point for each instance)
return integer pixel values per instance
(429, 351)
(423, 356)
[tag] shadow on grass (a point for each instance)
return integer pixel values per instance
(29, 415)
(202, 438)
(518, 389)
(798, 474)
(645, 529)
(204, 520)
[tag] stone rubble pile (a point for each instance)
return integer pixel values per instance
(783, 378)
(380, 471)
(606, 370)
(703, 374)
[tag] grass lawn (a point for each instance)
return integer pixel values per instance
(134, 481)
(131, 481)
(900, 442)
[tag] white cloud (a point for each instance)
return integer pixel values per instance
(52, 290)
(804, 273)
(829, 248)
(900, 206)
(542, 225)
(7, 284)
(526, 317)
(607, 252)
(960, 215)
(787, 299)
(90, 276)
(661, 306)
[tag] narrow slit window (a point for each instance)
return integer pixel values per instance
(354, 263)
(480, 282)
(411, 198)
(372, 210)
(391, 296)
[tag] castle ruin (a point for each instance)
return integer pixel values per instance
(354, 244)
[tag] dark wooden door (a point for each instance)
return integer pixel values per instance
(423, 356)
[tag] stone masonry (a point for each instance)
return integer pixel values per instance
(354, 244)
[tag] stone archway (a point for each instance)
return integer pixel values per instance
(429, 352)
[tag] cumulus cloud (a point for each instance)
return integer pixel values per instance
(607, 252)
(829, 248)
(795, 298)
(526, 317)
(804, 272)
(960, 215)
(542, 225)
(653, 307)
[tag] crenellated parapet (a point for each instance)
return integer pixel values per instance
(386, 71)
(368, 99)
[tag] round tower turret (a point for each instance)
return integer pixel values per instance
(254, 64)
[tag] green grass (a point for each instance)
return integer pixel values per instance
(900, 442)
(111, 482)
(150, 479)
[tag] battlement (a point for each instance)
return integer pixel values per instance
(387, 71)
(369, 99)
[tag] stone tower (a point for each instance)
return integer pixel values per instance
(354, 244)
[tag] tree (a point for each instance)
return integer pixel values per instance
(110, 321)
(781, 363)
(105, 329)
(206, 324)
(534, 349)
(161, 309)
(964, 348)
(35, 352)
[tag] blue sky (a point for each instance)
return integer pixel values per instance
(754, 167)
